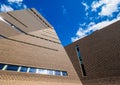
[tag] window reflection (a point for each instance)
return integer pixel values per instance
(23, 69)
(57, 73)
(51, 72)
(1, 66)
(12, 67)
(32, 70)
(64, 73)
(42, 71)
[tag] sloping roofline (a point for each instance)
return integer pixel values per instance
(40, 17)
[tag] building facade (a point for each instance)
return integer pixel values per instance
(31, 53)
(96, 58)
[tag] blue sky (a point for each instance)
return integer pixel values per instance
(72, 19)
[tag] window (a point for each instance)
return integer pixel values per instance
(12, 67)
(51, 72)
(32, 70)
(80, 60)
(43, 71)
(1, 37)
(57, 73)
(1, 66)
(78, 54)
(26, 69)
(23, 69)
(64, 73)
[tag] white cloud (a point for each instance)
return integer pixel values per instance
(96, 4)
(83, 24)
(102, 8)
(5, 8)
(11, 5)
(24, 6)
(15, 1)
(108, 7)
(19, 3)
(86, 6)
(92, 27)
(80, 34)
(118, 15)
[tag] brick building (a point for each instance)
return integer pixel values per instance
(96, 58)
(31, 53)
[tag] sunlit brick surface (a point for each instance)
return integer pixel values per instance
(27, 39)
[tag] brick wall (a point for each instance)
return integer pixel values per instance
(100, 52)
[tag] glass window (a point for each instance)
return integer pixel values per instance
(1, 65)
(23, 69)
(12, 67)
(50, 72)
(57, 73)
(80, 60)
(43, 71)
(1, 37)
(32, 70)
(64, 73)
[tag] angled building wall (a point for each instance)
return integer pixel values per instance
(100, 55)
(28, 41)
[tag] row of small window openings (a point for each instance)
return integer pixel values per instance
(9, 67)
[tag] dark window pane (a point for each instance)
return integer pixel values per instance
(64, 73)
(80, 60)
(57, 73)
(32, 70)
(83, 69)
(23, 69)
(12, 67)
(1, 65)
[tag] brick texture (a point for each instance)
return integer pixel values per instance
(100, 52)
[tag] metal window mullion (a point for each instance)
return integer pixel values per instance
(28, 70)
(4, 68)
(61, 73)
(53, 72)
(37, 70)
(19, 69)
